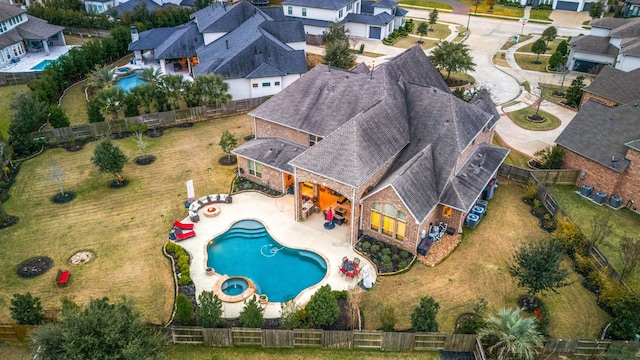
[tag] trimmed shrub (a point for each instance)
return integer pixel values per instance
(323, 307)
(423, 318)
(387, 318)
(252, 315)
(184, 310)
(570, 237)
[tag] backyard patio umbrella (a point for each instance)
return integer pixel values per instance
(329, 216)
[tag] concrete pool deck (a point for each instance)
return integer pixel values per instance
(277, 215)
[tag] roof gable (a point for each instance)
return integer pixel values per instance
(219, 17)
(617, 85)
(7, 11)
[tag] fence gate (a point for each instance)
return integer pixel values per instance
(186, 335)
(429, 341)
(241, 336)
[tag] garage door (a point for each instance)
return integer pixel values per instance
(586, 6)
(374, 32)
(567, 5)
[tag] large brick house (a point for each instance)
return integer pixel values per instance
(604, 142)
(390, 149)
(613, 87)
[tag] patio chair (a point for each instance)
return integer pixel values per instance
(345, 259)
(356, 262)
(350, 274)
(356, 272)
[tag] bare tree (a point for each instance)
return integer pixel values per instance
(141, 142)
(353, 41)
(630, 254)
(58, 175)
(600, 229)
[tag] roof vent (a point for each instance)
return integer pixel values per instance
(635, 104)
(346, 77)
(282, 145)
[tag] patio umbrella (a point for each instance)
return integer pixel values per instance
(329, 216)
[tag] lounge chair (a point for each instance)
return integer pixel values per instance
(185, 235)
(182, 226)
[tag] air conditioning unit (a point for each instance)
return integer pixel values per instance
(586, 190)
(472, 220)
(483, 204)
(615, 201)
(601, 197)
(478, 210)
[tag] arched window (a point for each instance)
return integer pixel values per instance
(385, 219)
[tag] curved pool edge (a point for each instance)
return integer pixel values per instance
(302, 292)
(217, 289)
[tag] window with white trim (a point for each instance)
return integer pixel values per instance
(255, 168)
(349, 6)
(340, 13)
(388, 221)
(289, 10)
(304, 11)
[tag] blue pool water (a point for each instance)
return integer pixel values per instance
(279, 272)
(42, 65)
(129, 82)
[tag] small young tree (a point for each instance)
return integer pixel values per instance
(184, 310)
(94, 111)
(549, 34)
(109, 158)
(600, 227)
(423, 318)
(58, 175)
(537, 266)
(26, 309)
(252, 314)
(433, 18)
(422, 30)
(337, 50)
(551, 157)
(452, 57)
(574, 92)
(539, 47)
(228, 142)
(387, 318)
(57, 117)
(563, 48)
(630, 254)
(209, 311)
(323, 307)
(596, 9)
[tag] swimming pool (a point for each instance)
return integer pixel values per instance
(42, 65)
(127, 83)
(279, 272)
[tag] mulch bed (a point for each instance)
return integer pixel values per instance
(63, 198)
(228, 160)
(115, 184)
(10, 221)
(144, 160)
(154, 133)
(33, 267)
(244, 184)
(400, 258)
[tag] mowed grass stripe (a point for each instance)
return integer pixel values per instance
(126, 227)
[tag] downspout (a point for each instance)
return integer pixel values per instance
(296, 193)
(353, 196)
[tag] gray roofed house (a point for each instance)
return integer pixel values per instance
(612, 41)
(258, 56)
(23, 33)
(613, 87)
(391, 135)
(320, 4)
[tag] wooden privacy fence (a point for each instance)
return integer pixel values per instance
(378, 340)
(535, 177)
(153, 121)
(15, 332)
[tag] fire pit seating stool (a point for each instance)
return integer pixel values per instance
(63, 277)
(205, 201)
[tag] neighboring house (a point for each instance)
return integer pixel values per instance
(391, 150)
(99, 6)
(365, 19)
(123, 6)
(613, 87)
(612, 41)
(604, 142)
(571, 5)
(21, 33)
(256, 55)
(631, 8)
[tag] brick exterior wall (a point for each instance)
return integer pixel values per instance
(586, 96)
(271, 177)
(604, 179)
(265, 128)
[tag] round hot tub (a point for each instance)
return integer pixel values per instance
(123, 71)
(234, 288)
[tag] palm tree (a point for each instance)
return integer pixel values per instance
(100, 78)
(514, 334)
(111, 99)
(212, 90)
(144, 93)
(173, 84)
(151, 75)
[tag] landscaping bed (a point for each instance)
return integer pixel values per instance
(242, 184)
(386, 257)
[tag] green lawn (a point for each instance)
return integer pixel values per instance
(515, 157)
(540, 14)
(509, 43)
(526, 62)
(406, 42)
(440, 31)
(6, 96)
(500, 59)
(551, 47)
(427, 4)
(125, 228)
(548, 89)
(478, 269)
(74, 104)
(519, 117)
(499, 10)
(625, 223)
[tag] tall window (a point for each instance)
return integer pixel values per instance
(349, 6)
(255, 168)
(340, 12)
(304, 11)
(385, 219)
(289, 10)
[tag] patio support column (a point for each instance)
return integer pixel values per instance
(45, 44)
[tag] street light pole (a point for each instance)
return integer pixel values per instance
(468, 20)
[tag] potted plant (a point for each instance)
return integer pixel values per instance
(210, 271)
(263, 299)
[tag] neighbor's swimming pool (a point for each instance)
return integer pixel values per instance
(279, 272)
(42, 65)
(127, 83)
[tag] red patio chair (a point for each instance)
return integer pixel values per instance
(350, 274)
(182, 226)
(356, 272)
(185, 235)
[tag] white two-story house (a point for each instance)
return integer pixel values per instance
(365, 19)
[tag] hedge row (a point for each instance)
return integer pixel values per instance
(182, 262)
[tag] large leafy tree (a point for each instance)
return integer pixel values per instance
(423, 317)
(94, 111)
(539, 47)
(209, 310)
(26, 309)
(337, 50)
(514, 335)
(549, 34)
(109, 158)
(323, 307)
(28, 114)
(452, 57)
(537, 266)
(101, 330)
(574, 92)
(595, 9)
